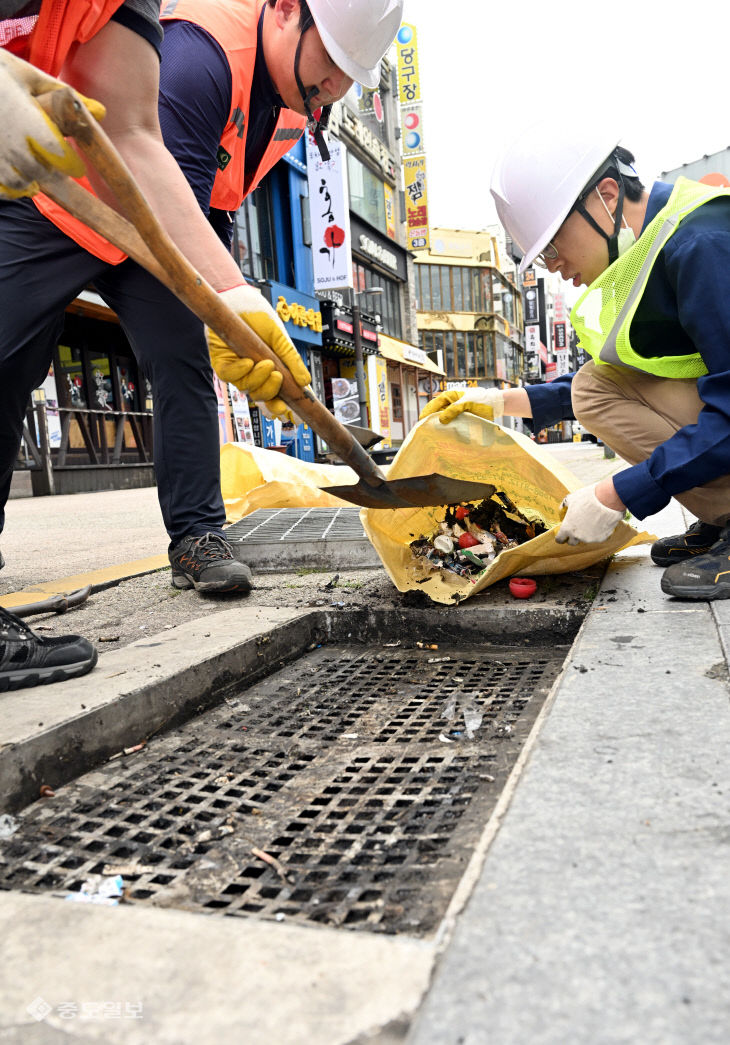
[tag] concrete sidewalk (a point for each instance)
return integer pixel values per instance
(594, 909)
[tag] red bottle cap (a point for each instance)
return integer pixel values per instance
(522, 587)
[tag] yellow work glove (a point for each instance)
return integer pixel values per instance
(31, 144)
(260, 381)
(484, 402)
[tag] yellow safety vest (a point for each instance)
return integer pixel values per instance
(602, 316)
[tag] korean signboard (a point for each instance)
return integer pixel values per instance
(532, 340)
(408, 80)
(330, 216)
(412, 121)
(414, 172)
(389, 210)
(414, 160)
(559, 335)
(531, 306)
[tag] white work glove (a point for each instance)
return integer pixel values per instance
(484, 402)
(586, 520)
(260, 381)
(31, 144)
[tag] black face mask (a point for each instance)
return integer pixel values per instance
(610, 169)
(315, 124)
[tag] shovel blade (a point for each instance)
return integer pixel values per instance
(418, 491)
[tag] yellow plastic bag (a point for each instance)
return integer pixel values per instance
(472, 448)
(253, 478)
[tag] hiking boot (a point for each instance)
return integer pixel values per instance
(697, 540)
(207, 563)
(703, 576)
(27, 659)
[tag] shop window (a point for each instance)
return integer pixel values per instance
(101, 391)
(367, 198)
(449, 354)
(70, 385)
(396, 402)
(386, 305)
(466, 284)
(460, 355)
(457, 296)
(481, 355)
(436, 288)
(129, 391)
(253, 235)
(471, 370)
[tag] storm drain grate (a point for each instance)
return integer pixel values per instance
(328, 537)
(333, 792)
(299, 524)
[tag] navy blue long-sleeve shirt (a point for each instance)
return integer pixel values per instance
(196, 88)
(685, 308)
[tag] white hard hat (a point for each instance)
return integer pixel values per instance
(357, 33)
(539, 178)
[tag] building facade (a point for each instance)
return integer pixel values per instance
(470, 315)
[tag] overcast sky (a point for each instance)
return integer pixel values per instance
(658, 72)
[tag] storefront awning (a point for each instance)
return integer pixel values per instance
(409, 355)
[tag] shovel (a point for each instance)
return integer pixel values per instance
(145, 242)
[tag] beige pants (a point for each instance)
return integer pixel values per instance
(633, 413)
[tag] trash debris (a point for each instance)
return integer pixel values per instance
(272, 861)
(8, 825)
(137, 747)
(449, 709)
(471, 536)
(349, 736)
(99, 890)
(427, 645)
(130, 869)
(437, 660)
(472, 720)
(108, 638)
(46, 791)
(522, 587)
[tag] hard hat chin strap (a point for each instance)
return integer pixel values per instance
(612, 240)
(315, 124)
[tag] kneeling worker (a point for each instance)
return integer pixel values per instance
(655, 319)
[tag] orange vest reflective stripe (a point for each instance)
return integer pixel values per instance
(233, 24)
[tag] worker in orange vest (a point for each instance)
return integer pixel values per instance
(273, 66)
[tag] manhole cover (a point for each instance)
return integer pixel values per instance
(333, 792)
(282, 537)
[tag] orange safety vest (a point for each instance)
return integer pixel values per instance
(60, 25)
(233, 24)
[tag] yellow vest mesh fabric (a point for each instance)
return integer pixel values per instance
(595, 315)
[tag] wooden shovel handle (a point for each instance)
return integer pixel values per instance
(145, 241)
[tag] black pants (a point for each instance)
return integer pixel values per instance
(41, 272)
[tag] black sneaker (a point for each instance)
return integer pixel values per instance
(27, 659)
(703, 576)
(207, 563)
(697, 540)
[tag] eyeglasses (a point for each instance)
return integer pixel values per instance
(548, 253)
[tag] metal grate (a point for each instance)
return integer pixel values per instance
(339, 768)
(331, 537)
(299, 524)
